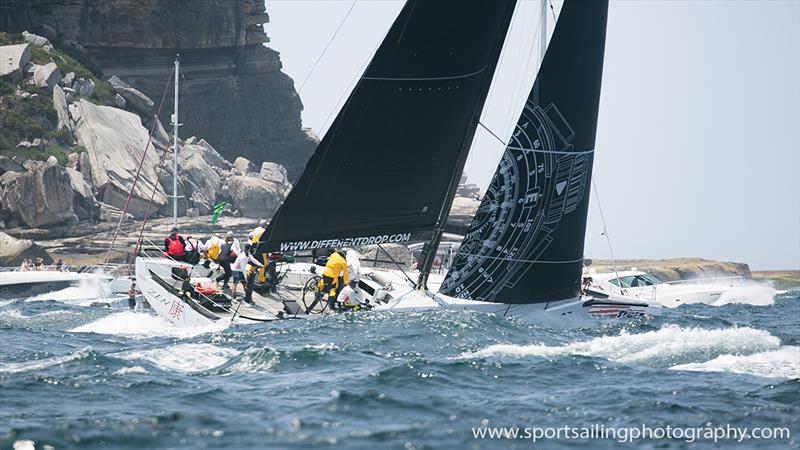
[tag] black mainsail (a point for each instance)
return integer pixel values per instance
(525, 244)
(398, 146)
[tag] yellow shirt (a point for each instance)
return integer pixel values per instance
(336, 265)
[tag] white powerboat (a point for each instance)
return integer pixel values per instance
(28, 284)
(711, 291)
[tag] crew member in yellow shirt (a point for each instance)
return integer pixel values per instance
(334, 279)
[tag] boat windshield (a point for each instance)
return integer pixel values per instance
(636, 281)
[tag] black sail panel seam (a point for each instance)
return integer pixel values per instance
(453, 77)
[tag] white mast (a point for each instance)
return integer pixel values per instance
(176, 146)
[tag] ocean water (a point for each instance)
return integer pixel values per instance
(87, 377)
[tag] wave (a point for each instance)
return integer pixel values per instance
(757, 295)
(665, 347)
(141, 325)
(44, 363)
(781, 363)
(126, 370)
(253, 360)
(188, 358)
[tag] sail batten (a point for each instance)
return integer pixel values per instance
(525, 244)
(385, 167)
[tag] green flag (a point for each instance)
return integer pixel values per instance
(218, 208)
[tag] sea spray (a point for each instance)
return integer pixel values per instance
(665, 347)
(141, 325)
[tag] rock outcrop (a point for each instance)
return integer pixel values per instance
(114, 140)
(14, 251)
(41, 196)
(234, 93)
(46, 76)
(255, 197)
(62, 109)
(13, 59)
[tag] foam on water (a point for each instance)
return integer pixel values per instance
(781, 363)
(253, 360)
(44, 363)
(143, 325)
(184, 357)
(754, 294)
(667, 345)
(127, 370)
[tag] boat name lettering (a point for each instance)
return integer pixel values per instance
(346, 242)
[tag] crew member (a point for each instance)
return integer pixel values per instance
(255, 235)
(239, 268)
(226, 256)
(175, 245)
(132, 296)
(192, 249)
(334, 277)
(353, 264)
(212, 248)
(255, 238)
(352, 297)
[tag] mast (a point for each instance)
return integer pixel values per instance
(403, 135)
(431, 247)
(176, 146)
(526, 243)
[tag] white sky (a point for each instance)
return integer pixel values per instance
(698, 148)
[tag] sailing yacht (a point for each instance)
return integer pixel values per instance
(402, 140)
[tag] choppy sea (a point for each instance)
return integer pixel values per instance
(89, 377)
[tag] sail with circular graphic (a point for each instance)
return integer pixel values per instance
(525, 244)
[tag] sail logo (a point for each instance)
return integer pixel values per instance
(346, 242)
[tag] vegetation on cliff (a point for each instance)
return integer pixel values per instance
(27, 111)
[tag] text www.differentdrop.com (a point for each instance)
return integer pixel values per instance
(630, 434)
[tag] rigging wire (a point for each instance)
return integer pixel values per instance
(314, 66)
(139, 169)
(605, 230)
(303, 84)
(492, 133)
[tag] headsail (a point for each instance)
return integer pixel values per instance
(383, 170)
(525, 244)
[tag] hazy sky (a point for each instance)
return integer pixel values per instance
(698, 149)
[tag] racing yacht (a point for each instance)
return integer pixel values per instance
(402, 140)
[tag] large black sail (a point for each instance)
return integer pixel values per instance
(383, 170)
(525, 245)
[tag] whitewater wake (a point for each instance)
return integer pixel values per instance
(186, 358)
(781, 363)
(44, 363)
(673, 347)
(141, 325)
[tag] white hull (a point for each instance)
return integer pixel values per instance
(180, 312)
(587, 310)
(673, 295)
(25, 285)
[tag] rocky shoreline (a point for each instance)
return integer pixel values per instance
(101, 148)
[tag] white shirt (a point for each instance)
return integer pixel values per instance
(350, 296)
(240, 265)
(353, 265)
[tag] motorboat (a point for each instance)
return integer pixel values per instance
(712, 291)
(19, 285)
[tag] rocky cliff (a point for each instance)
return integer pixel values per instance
(233, 91)
(71, 146)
